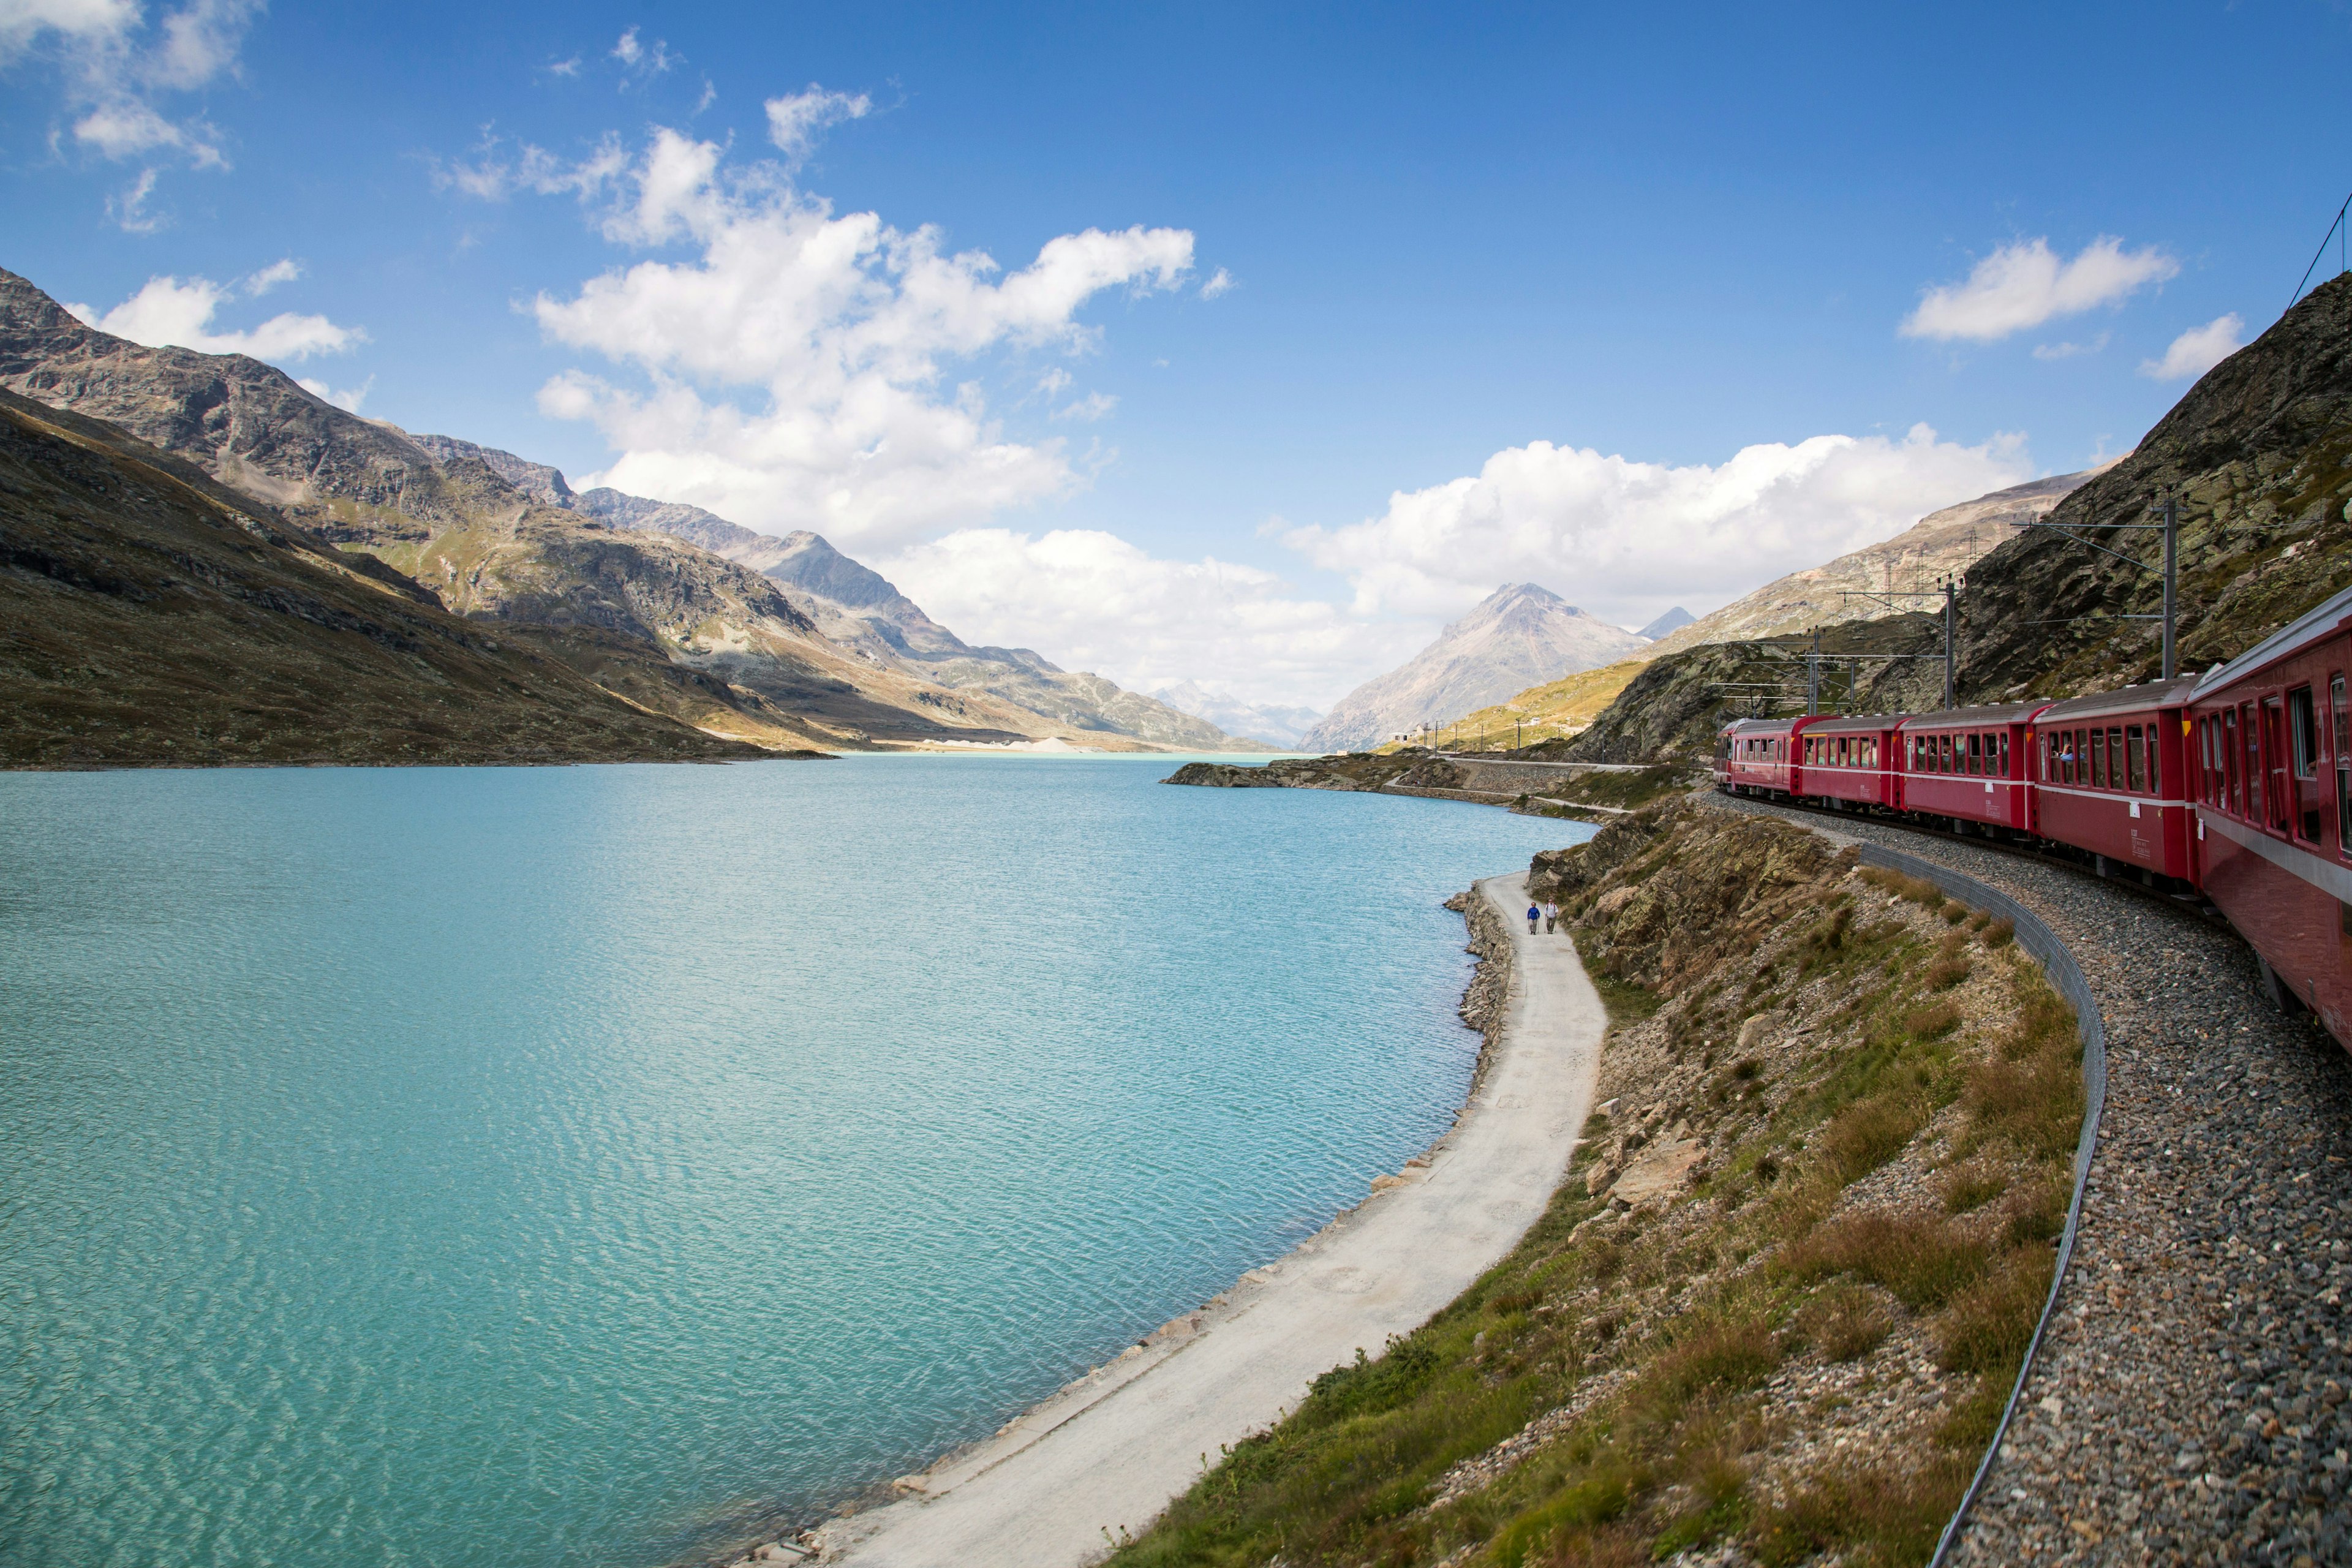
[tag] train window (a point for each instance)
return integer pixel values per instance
(2098, 759)
(2155, 770)
(2303, 732)
(2135, 754)
(2004, 753)
(1976, 754)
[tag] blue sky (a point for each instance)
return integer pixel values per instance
(1615, 300)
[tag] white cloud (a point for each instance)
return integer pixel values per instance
(841, 331)
(2198, 350)
(1089, 409)
(2023, 285)
(348, 400)
(1220, 282)
(637, 61)
(566, 66)
(495, 173)
(2069, 350)
(1051, 384)
(169, 311)
(1612, 535)
(796, 120)
(115, 72)
(272, 276)
(1089, 600)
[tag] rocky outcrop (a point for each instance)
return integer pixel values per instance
(1520, 636)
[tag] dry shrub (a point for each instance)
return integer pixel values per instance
(1998, 934)
(1923, 1261)
(1868, 1133)
(1612, 1546)
(1989, 1324)
(1932, 1022)
(1966, 1188)
(2037, 1210)
(1845, 1323)
(2036, 1103)
(1955, 913)
(1877, 1516)
(1948, 971)
(1917, 888)
(1715, 1355)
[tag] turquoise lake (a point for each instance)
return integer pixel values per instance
(595, 1165)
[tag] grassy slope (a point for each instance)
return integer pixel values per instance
(148, 616)
(1870, 1197)
(1540, 713)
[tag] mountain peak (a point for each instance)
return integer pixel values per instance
(1521, 634)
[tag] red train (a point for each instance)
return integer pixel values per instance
(2237, 785)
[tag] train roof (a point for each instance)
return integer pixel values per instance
(2311, 626)
(1855, 724)
(1975, 718)
(1763, 726)
(2128, 699)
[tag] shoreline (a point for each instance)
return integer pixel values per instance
(1099, 1458)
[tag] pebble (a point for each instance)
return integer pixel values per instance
(2188, 1404)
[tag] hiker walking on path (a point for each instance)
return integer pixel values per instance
(1551, 915)
(1533, 915)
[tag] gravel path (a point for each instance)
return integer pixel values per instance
(2187, 1406)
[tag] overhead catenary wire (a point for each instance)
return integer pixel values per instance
(2335, 231)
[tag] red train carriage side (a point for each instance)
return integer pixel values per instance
(1848, 762)
(2110, 777)
(1762, 759)
(1968, 764)
(2273, 750)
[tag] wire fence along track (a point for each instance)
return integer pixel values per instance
(2067, 979)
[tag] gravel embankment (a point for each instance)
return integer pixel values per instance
(2187, 1406)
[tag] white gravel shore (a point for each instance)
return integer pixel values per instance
(1059, 1486)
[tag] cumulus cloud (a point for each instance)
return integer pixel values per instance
(169, 311)
(1220, 282)
(796, 120)
(116, 74)
(497, 171)
(794, 373)
(2069, 350)
(1090, 600)
(2025, 284)
(638, 61)
(1611, 534)
(2198, 350)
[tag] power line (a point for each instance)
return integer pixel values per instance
(2315, 254)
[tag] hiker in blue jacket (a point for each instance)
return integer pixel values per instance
(1533, 915)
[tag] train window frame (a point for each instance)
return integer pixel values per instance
(2135, 759)
(2155, 752)
(2343, 751)
(2004, 753)
(2098, 759)
(2233, 765)
(2303, 733)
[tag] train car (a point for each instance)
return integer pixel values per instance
(1968, 764)
(1759, 755)
(2273, 752)
(2110, 779)
(1850, 762)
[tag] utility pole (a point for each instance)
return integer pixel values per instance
(1952, 621)
(1813, 675)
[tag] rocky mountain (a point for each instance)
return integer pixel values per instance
(1519, 636)
(857, 608)
(149, 614)
(1272, 723)
(654, 619)
(1672, 621)
(1943, 544)
(2259, 453)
